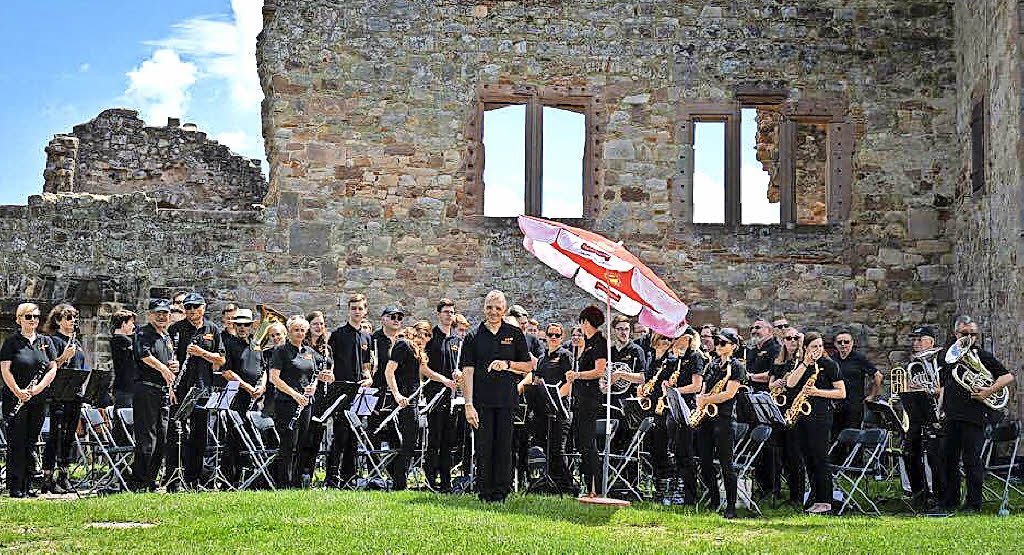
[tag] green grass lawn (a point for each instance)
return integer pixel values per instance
(413, 522)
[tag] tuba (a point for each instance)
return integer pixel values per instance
(268, 317)
(923, 371)
(969, 372)
(620, 385)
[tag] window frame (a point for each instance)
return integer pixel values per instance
(535, 98)
(839, 167)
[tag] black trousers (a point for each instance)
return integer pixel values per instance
(551, 431)
(963, 442)
(494, 452)
(715, 437)
(150, 413)
(441, 439)
(658, 446)
(922, 443)
(407, 425)
(848, 414)
(792, 461)
(287, 472)
(683, 447)
(22, 431)
(64, 416)
(586, 415)
(813, 433)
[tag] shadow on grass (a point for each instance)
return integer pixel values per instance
(550, 508)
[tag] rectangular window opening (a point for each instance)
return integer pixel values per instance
(709, 172)
(759, 163)
(504, 175)
(564, 139)
(978, 147)
(810, 157)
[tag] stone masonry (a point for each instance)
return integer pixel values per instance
(372, 128)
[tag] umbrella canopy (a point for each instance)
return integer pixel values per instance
(607, 271)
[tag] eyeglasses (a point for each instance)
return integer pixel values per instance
(192, 306)
(447, 312)
(396, 317)
(30, 317)
(792, 338)
(554, 335)
(71, 317)
(622, 330)
(722, 343)
(843, 342)
(243, 324)
(755, 327)
(781, 326)
(975, 334)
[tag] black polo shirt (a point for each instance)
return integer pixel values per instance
(631, 355)
(715, 372)
(594, 349)
(28, 359)
(199, 372)
(407, 374)
(661, 367)
(553, 366)
(689, 365)
(152, 344)
(445, 357)
(246, 363)
(77, 362)
(760, 360)
(957, 402)
(828, 374)
(351, 350)
(298, 366)
(854, 369)
(382, 344)
(480, 349)
(122, 356)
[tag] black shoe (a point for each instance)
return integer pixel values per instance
(31, 493)
(48, 485)
(17, 494)
(729, 512)
(64, 482)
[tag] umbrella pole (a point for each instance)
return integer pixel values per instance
(608, 397)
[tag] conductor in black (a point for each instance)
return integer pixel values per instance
(494, 358)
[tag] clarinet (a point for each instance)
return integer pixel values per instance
(264, 364)
(184, 364)
(309, 398)
(21, 402)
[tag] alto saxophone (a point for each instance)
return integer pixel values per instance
(643, 391)
(659, 409)
(711, 409)
(801, 404)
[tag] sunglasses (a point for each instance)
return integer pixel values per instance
(553, 335)
(243, 324)
(71, 318)
(792, 338)
(192, 306)
(396, 317)
(722, 343)
(755, 327)
(970, 334)
(30, 317)
(781, 326)
(843, 342)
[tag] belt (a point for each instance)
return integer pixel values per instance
(162, 388)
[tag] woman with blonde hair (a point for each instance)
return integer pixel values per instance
(28, 366)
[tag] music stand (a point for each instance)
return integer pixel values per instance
(220, 401)
(678, 410)
(347, 390)
(99, 384)
(365, 401)
(67, 384)
(180, 416)
(765, 409)
(556, 409)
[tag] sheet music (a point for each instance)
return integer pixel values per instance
(366, 401)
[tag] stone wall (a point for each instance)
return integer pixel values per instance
(989, 226)
(369, 119)
(117, 153)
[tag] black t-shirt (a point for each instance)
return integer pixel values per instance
(29, 359)
(854, 369)
(594, 349)
(152, 344)
(242, 360)
(122, 356)
(298, 366)
(481, 347)
(715, 372)
(828, 374)
(689, 365)
(446, 357)
(408, 372)
(351, 350)
(760, 360)
(382, 344)
(631, 355)
(199, 372)
(778, 372)
(553, 365)
(77, 362)
(957, 402)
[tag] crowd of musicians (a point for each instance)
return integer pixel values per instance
(496, 391)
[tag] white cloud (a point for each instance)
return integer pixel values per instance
(237, 141)
(754, 195)
(84, 68)
(159, 86)
(708, 199)
(224, 50)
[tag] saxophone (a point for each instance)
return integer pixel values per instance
(801, 404)
(711, 410)
(643, 391)
(672, 381)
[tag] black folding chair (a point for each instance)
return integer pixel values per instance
(1007, 434)
(376, 459)
(117, 456)
(850, 475)
(617, 463)
(744, 460)
(255, 451)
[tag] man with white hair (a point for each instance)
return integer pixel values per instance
(494, 358)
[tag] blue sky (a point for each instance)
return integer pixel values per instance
(65, 61)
